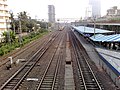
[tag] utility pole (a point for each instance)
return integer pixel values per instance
(84, 28)
(14, 26)
(20, 26)
(8, 32)
(20, 32)
(94, 26)
(58, 23)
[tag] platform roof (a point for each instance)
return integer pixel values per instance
(90, 30)
(106, 38)
(110, 24)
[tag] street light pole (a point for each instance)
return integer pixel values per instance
(58, 23)
(20, 32)
(94, 27)
(8, 32)
(84, 28)
(20, 26)
(12, 20)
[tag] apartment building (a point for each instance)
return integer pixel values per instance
(4, 16)
(114, 11)
(51, 13)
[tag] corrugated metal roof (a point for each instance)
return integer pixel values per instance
(83, 29)
(97, 37)
(106, 38)
(118, 39)
(112, 24)
(115, 38)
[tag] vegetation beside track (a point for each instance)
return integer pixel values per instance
(5, 48)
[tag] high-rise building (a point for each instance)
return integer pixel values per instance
(88, 12)
(51, 13)
(4, 16)
(96, 8)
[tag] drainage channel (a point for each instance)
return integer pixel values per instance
(69, 79)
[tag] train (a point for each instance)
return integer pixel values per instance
(61, 28)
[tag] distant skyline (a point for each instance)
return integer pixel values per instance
(64, 8)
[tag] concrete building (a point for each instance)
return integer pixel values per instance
(4, 16)
(114, 11)
(96, 8)
(88, 12)
(51, 13)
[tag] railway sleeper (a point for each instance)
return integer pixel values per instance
(28, 66)
(88, 76)
(84, 67)
(89, 87)
(14, 80)
(91, 84)
(48, 79)
(8, 87)
(85, 71)
(82, 88)
(93, 88)
(46, 83)
(12, 83)
(45, 88)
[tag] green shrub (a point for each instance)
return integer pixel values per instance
(1, 52)
(7, 47)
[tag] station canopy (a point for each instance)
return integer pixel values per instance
(82, 29)
(106, 38)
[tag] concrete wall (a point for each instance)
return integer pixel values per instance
(110, 71)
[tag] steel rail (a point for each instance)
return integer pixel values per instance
(76, 54)
(13, 76)
(77, 51)
(57, 68)
(48, 66)
(100, 88)
(15, 54)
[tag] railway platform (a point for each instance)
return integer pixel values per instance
(110, 63)
(93, 54)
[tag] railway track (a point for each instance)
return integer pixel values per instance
(49, 80)
(16, 79)
(87, 78)
(17, 53)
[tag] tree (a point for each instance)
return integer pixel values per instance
(24, 23)
(30, 25)
(43, 25)
(5, 37)
(23, 20)
(49, 24)
(12, 36)
(12, 23)
(9, 36)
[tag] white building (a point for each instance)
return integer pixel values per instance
(96, 8)
(4, 16)
(114, 11)
(88, 12)
(51, 13)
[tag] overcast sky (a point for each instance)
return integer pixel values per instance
(63, 8)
